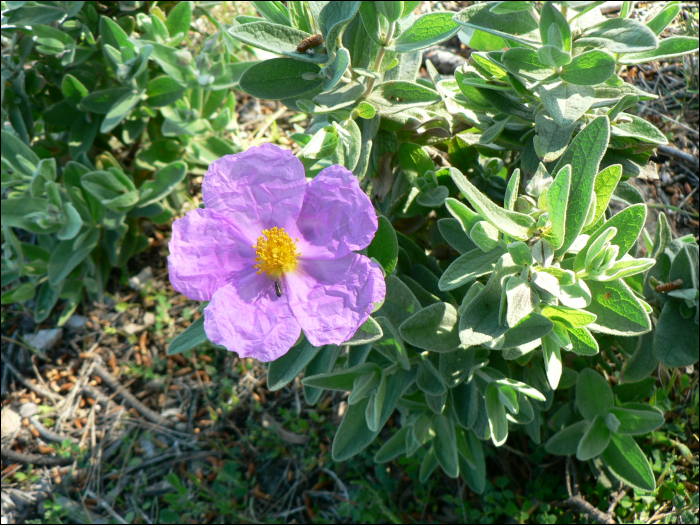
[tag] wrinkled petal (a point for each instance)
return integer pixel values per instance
(206, 250)
(332, 298)
(263, 186)
(247, 317)
(337, 217)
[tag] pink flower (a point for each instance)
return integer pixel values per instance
(274, 254)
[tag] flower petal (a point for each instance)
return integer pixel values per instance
(332, 298)
(263, 186)
(206, 250)
(337, 217)
(247, 317)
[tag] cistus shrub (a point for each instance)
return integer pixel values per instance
(104, 114)
(513, 277)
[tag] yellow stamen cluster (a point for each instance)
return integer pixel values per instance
(276, 253)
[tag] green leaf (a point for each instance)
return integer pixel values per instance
(642, 362)
(284, 369)
(46, 299)
(337, 69)
(276, 38)
(557, 204)
(343, 379)
(584, 154)
(399, 302)
(676, 338)
(322, 363)
(530, 328)
(120, 110)
(433, 328)
(12, 149)
(446, 444)
(51, 41)
(628, 223)
(625, 268)
(66, 256)
(524, 62)
(671, 47)
(479, 323)
(519, 26)
(553, 56)
(469, 267)
(390, 10)
(619, 35)
(426, 31)
(192, 337)
(583, 342)
(589, 68)
(551, 139)
(496, 412)
(163, 91)
(177, 64)
(73, 89)
(428, 465)
(566, 103)
(179, 19)
(604, 186)
(393, 447)
(494, 131)
(511, 223)
(664, 17)
(594, 441)
(166, 179)
(636, 419)
(638, 128)
(279, 78)
(112, 188)
(369, 332)
(370, 21)
(618, 310)
(475, 477)
(571, 317)
(391, 344)
(550, 16)
(485, 236)
(274, 11)
(593, 394)
(627, 461)
(353, 434)
(465, 398)
(363, 386)
(333, 19)
(462, 213)
(565, 442)
(397, 95)
(451, 230)
(415, 161)
(102, 101)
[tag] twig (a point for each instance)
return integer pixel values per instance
(106, 506)
(128, 398)
(48, 434)
(35, 459)
(679, 155)
(579, 504)
(621, 494)
(37, 389)
(340, 484)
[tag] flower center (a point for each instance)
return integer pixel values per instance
(276, 253)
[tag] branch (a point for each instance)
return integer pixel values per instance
(35, 459)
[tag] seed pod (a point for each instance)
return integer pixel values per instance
(308, 43)
(669, 287)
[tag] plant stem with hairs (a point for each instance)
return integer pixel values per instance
(378, 62)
